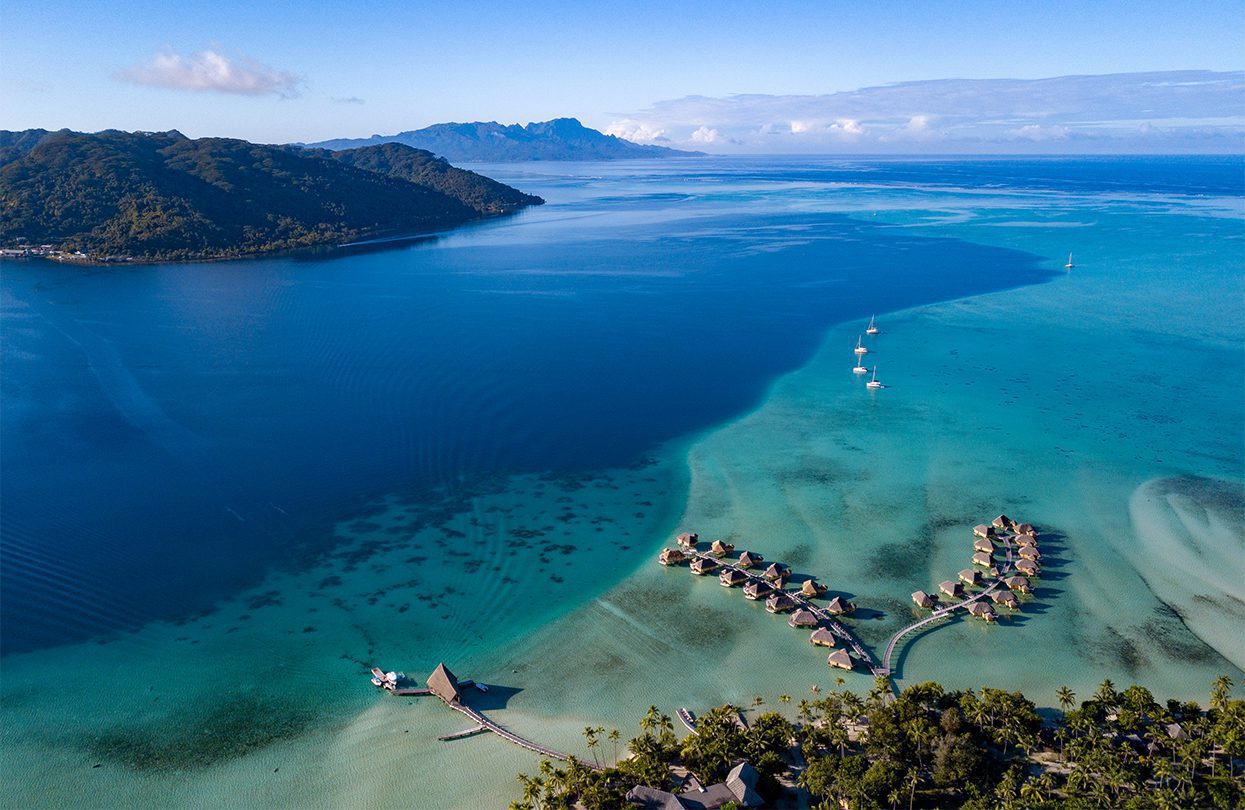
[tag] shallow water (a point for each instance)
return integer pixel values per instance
(503, 513)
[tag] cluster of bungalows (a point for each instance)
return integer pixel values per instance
(768, 586)
(1020, 535)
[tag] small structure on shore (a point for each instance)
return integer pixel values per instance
(748, 559)
(1002, 522)
(822, 637)
(720, 548)
(757, 589)
(804, 618)
(983, 559)
(1030, 553)
(982, 610)
(838, 606)
(730, 577)
(924, 600)
(969, 576)
(776, 572)
(688, 539)
(1005, 598)
(982, 544)
(1028, 568)
(1018, 584)
(840, 659)
(703, 565)
(812, 588)
(950, 588)
(779, 602)
(671, 556)
(982, 530)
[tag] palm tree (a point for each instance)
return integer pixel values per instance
(1106, 694)
(1220, 692)
(784, 698)
(590, 734)
(614, 737)
(1066, 698)
(815, 689)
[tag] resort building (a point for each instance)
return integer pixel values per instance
(983, 559)
(779, 602)
(739, 790)
(840, 659)
(822, 637)
(749, 560)
(982, 530)
(804, 618)
(703, 565)
(757, 589)
(1002, 522)
(776, 571)
(1018, 584)
(924, 600)
(982, 544)
(671, 556)
(950, 588)
(982, 610)
(1026, 529)
(1028, 568)
(1005, 598)
(688, 539)
(730, 577)
(444, 685)
(719, 548)
(970, 576)
(838, 606)
(1030, 553)
(812, 588)
(1025, 540)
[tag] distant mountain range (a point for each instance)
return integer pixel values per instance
(161, 195)
(491, 142)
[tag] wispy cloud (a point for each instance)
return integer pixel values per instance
(349, 100)
(1129, 112)
(212, 71)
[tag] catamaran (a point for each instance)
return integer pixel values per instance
(872, 329)
(874, 382)
(859, 348)
(859, 368)
(1069, 265)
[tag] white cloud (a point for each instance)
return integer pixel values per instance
(706, 135)
(636, 131)
(917, 124)
(211, 71)
(1037, 132)
(798, 127)
(848, 128)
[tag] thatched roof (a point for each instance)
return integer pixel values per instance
(1028, 567)
(444, 685)
(779, 602)
(923, 599)
(822, 638)
(838, 606)
(721, 548)
(804, 618)
(730, 577)
(1030, 553)
(982, 530)
(1025, 539)
(748, 559)
(1017, 583)
(703, 565)
(969, 575)
(812, 588)
(1025, 528)
(840, 659)
(1002, 522)
(650, 798)
(777, 571)
(982, 544)
(688, 539)
(1005, 598)
(756, 588)
(742, 782)
(950, 588)
(982, 610)
(982, 558)
(671, 556)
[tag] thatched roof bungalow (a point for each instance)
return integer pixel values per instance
(804, 618)
(1005, 598)
(1028, 568)
(776, 571)
(720, 548)
(1002, 522)
(983, 559)
(950, 588)
(838, 606)
(748, 559)
(924, 600)
(1018, 584)
(671, 556)
(822, 637)
(812, 588)
(840, 659)
(757, 589)
(444, 685)
(730, 577)
(779, 602)
(1024, 540)
(1030, 553)
(1026, 529)
(982, 544)
(703, 565)
(982, 530)
(688, 539)
(983, 610)
(969, 576)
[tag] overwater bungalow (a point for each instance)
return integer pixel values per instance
(804, 618)
(1024, 540)
(993, 572)
(779, 602)
(444, 685)
(1026, 529)
(1002, 522)
(925, 600)
(812, 588)
(1018, 584)
(1005, 598)
(982, 530)
(822, 637)
(1030, 553)
(982, 544)
(982, 610)
(983, 559)
(950, 588)
(969, 576)
(776, 571)
(840, 659)
(720, 548)
(838, 606)
(1028, 568)
(703, 565)
(757, 589)
(730, 577)
(671, 556)
(748, 559)
(688, 539)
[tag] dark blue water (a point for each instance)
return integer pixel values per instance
(172, 432)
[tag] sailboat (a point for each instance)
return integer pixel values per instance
(858, 368)
(872, 329)
(874, 382)
(859, 348)
(1069, 265)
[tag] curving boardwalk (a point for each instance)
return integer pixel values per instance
(486, 724)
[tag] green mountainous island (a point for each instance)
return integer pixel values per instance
(148, 196)
(491, 142)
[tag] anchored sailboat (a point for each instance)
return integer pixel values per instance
(872, 329)
(1069, 265)
(859, 368)
(860, 349)
(874, 382)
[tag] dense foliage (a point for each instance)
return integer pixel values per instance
(930, 747)
(165, 196)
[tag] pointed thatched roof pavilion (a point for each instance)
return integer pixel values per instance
(703, 565)
(1025, 540)
(748, 559)
(804, 618)
(982, 544)
(730, 577)
(688, 539)
(838, 606)
(671, 556)
(950, 588)
(779, 602)
(983, 559)
(822, 637)
(982, 530)
(757, 589)
(1026, 529)
(840, 659)
(1006, 599)
(776, 571)
(812, 588)
(720, 548)
(924, 600)
(969, 576)
(982, 610)
(1028, 568)
(1030, 553)
(444, 685)
(1002, 522)
(1018, 584)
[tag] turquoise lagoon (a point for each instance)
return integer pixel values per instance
(703, 315)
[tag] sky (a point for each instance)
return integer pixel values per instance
(721, 76)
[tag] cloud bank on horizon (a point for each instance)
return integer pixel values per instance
(210, 70)
(1162, 112)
